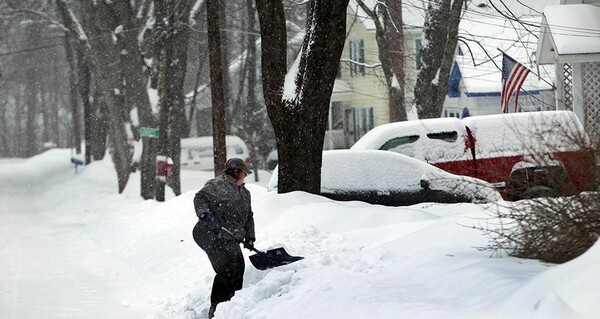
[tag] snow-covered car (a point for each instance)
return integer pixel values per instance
(197, 152)
(523, 155)
(392, 179)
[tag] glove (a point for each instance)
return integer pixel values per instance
(212, 221)
(249, 244)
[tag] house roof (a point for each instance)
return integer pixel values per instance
(484, 31)
(414, 11)
(480, 60)
(570, 33)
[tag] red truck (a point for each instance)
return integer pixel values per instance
(524, 155)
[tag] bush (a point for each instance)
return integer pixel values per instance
(553, 230)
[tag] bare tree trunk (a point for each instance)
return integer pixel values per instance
(193, 102)
(174, 36)
(30, 130)
(437, 54)
(88, 119)
(136, 94)
(300, 118)
(99, 127)
(217, 82)
(31, 93)
(178, 119)
(252, 103)
(164, 28)
(387, 17)
(395, 38)
(75, 112)
(94, 126)
(4, 150)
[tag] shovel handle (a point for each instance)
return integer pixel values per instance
(233, 236)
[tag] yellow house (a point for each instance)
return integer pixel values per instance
(360, 98)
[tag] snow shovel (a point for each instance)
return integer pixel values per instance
(271, 258)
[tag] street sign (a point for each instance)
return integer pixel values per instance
(149, 132)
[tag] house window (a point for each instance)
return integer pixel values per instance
(357, 55)
(337, 116)
(363, 121)
(418, 46)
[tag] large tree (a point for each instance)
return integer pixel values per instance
(387, 17)
(298, 105)
(171, 38)
(112, 56)
(437, 55)
(102, 55)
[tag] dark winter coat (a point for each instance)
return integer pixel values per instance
(230, 205)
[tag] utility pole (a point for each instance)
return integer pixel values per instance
(166, 101)
(216, 85)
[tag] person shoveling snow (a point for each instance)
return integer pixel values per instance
(226, 220)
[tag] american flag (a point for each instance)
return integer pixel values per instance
(513, 76)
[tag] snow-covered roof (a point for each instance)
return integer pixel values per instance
(484, 31)
(570, 33)
(481, 60)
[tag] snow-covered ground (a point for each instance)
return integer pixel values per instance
(70, 247)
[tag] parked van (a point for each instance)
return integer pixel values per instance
(197, 152)
(524, 155)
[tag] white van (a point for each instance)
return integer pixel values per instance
(197, 152)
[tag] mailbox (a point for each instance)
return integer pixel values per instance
(164, 167)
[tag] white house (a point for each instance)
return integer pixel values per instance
(475, 83)
(570, 40)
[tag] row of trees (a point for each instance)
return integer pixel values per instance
(115, 52)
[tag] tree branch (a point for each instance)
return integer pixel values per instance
(19, 12)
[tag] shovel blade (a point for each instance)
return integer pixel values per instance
(273, 258)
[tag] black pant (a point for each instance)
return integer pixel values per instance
(227, 260)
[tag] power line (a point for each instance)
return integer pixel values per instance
(30, 49)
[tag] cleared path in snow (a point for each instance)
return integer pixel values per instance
(42, 272)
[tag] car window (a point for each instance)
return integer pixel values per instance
(238, 149)
(398, 141)
(444, 136)
(198, 152)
